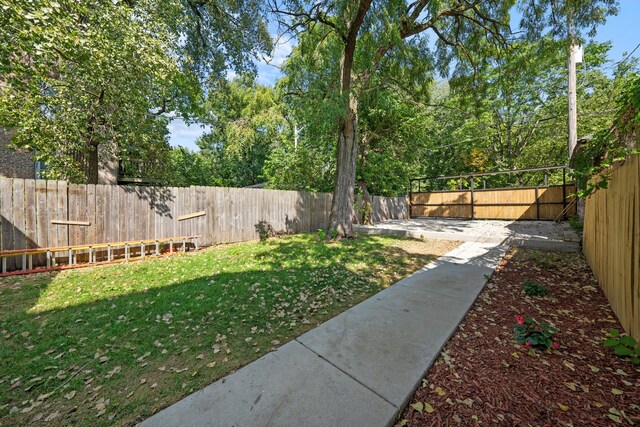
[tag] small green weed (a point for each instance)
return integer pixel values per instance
(575, 223)
(534, 289)
(624, 346)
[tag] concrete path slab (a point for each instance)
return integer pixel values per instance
(359, 368)
(544, 235)
(291, 386)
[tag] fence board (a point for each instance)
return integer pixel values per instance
(19, 228)
(6, 209)
(42, 224)
(611, 242)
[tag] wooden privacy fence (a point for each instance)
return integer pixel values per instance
(544, 202)
(611, 242)
(40, 213)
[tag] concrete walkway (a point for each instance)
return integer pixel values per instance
(357, 369)
(545, 235)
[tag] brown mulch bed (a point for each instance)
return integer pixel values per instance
(483, 377)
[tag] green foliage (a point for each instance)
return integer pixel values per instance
(575, 222)
(187, 168)
(529, 333)
(623, 346)
(247, 123)
(617, 141)
(80, 78)
(532, 288)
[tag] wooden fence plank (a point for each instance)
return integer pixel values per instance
(42, 221)
(19, 223)
(90, 216)
(30, 213)
(6, 209)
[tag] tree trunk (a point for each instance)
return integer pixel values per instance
(341, 217)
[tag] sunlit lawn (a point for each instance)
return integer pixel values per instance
(114, 344)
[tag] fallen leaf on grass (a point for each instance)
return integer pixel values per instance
(594, 369)
(616, 391)
(571, 386)
(52, 416)
(562, 407)
(569, 365)
(440, 391)
(70, 395)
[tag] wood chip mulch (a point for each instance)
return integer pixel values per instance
(483, 377)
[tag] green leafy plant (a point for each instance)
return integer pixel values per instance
(534, 289)
(623, 346)
(321, 234)
(575, 223)
(529, 333)
(334, 234)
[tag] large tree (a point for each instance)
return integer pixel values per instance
(101, 74)
(373, 35)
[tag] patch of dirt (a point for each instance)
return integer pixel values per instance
(483, 377)
(428, 246)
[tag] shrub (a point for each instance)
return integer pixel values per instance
(530, 333)
(533, 289)
(623, 346)
(575, 223)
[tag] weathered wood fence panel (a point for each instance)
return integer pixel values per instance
(111, 214)
(611, 242)
(544, 203)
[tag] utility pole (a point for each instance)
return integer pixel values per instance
(573, 114)
(575, 57)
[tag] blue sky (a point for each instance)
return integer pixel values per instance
(622, 30)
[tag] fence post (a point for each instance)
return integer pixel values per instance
(473, 216)
(564, 192)
(410, 198)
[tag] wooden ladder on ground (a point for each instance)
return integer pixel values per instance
(110, 251)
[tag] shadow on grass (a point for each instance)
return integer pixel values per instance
(208, 314)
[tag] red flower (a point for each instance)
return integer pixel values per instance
(527, 344)
(520, 320)
(555, 345)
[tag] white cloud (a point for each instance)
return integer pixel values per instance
(182, 134)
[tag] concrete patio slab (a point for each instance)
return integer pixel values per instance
(543, 235)
(291, 386)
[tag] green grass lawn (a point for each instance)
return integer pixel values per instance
(114, 344)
